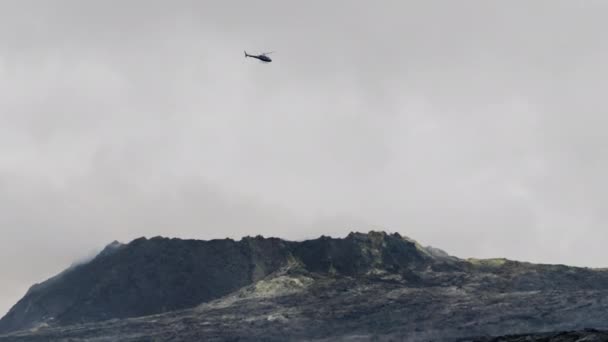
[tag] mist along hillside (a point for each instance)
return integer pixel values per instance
(365, 287)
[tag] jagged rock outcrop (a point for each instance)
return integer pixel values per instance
(150, 276)
(373, 286)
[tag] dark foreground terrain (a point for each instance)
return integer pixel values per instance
(587, 335)
(365, 287)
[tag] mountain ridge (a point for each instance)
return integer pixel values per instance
(259, 255)
(367, 284)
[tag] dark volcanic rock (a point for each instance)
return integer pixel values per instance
(366, 287)
(150, 276)
(358, 254)
(586, 335)
(145, 277)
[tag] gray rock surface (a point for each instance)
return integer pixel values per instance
(586, 335)
(366, 287)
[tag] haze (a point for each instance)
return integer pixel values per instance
(477, 127)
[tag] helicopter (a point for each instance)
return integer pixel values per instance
(262, 57)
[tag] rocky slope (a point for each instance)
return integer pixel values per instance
(145, 277)
(365, 287)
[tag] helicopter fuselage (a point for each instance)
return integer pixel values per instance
(263, 58)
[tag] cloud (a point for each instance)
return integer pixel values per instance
(476, 128)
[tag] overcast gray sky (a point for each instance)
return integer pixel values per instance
(474, 126)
